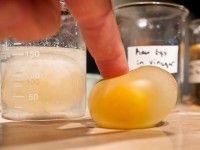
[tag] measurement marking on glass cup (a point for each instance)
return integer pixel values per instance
(33, 96)
(18, 85)
(17, 74)
(35, 76)
(18, 107)
(32, 54)
(18, 81)
(17, 44)
(17, 54)
(18, 78)
(18, 96)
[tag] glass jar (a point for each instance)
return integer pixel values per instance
(194, 69)
(153, 33)
(45, 79)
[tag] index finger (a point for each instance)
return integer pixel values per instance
(99, 28)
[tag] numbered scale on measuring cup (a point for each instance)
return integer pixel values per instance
(20, 81)
(42, 82)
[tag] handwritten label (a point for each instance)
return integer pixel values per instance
(165, 57)
(194, 74)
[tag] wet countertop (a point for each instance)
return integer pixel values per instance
(179, 131)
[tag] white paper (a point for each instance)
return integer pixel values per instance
(194, 76)
(165, 57)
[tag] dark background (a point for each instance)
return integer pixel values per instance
(192, 5)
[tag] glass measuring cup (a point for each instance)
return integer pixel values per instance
(153, 33)
(45, 79)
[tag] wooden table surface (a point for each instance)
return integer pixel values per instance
(179, 131)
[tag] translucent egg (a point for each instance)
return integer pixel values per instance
(139, 99)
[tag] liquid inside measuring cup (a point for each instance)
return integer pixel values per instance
(43, 83)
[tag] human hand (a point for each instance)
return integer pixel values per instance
(36, 19)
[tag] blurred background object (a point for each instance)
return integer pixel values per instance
(194, 13)
(194, 68)
(154, 34)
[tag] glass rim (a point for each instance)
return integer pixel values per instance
(174, 5)
(194, 23)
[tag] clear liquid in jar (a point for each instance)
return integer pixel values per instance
(43, 83)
